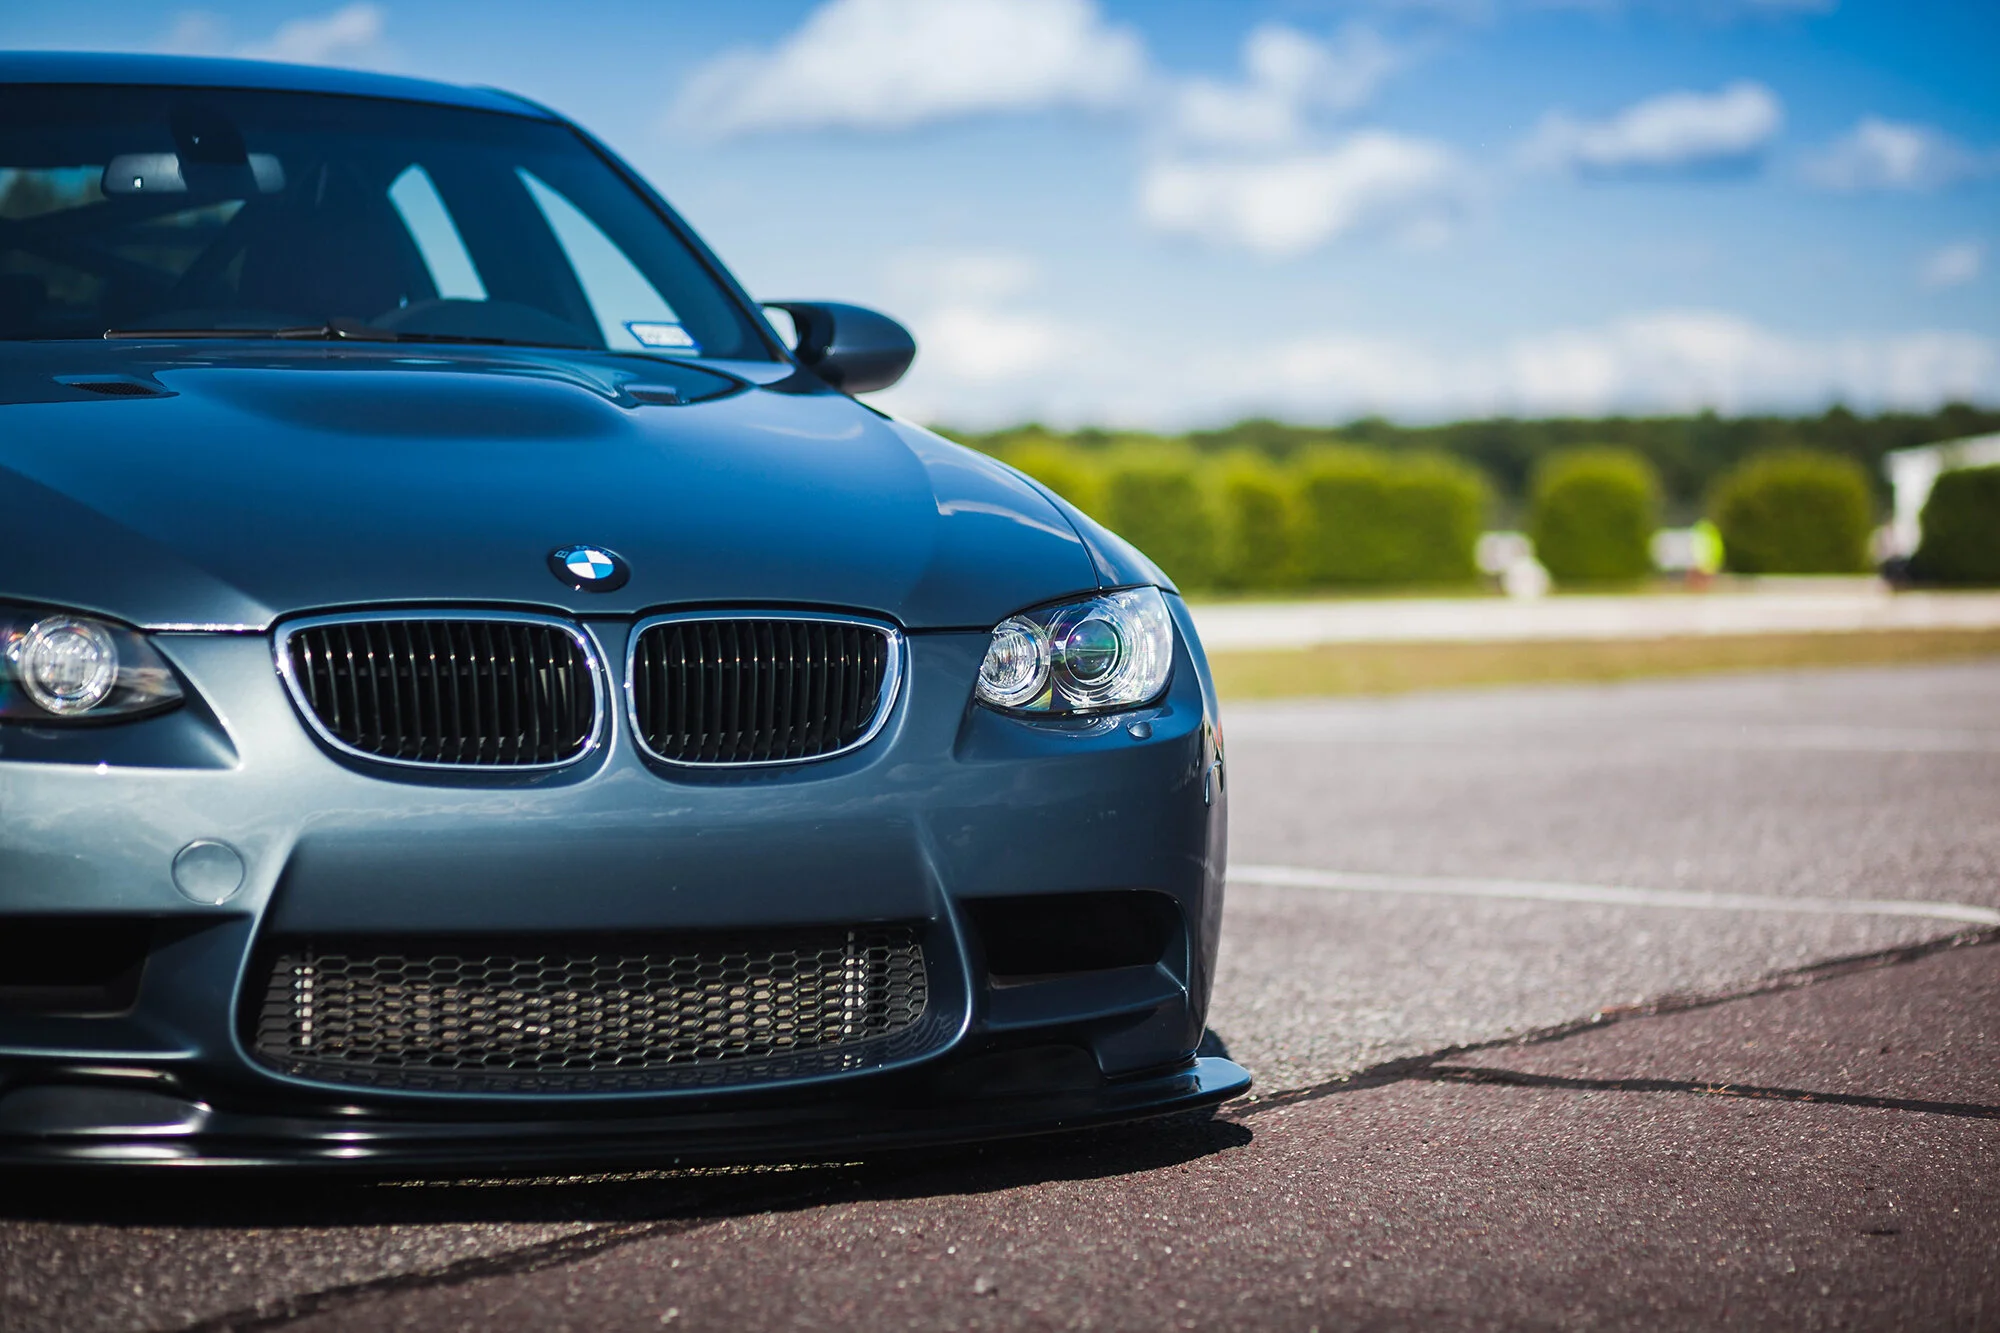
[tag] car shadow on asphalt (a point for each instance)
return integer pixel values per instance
(213, 1199)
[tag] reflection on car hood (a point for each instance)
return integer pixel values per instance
(235, 484)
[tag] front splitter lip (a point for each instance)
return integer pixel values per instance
(218, 1139)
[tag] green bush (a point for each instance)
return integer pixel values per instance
(1254, 527)
(1961, 522)
(1690, 452)
(1367, 519)
(1794, 513)
(1070, 473)
(1343, 500)
(1440, 506)
(1592, 513)
(1153, 499)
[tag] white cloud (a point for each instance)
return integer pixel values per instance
(1674, 131)
(1677, 359)
(953, 277)
(984, 346)
(1882, 154)
(352, 35)
(195, 32)
(1240, 165)
(1723, 11)
(1290, 203)
(1953, 265)
(979, 343)
(1672, 360)
(1657, 361)
(1286, 75)
(348, 35)
(890, 64)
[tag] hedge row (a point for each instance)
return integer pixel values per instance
(1342, 517)
(1329, 518)
(1961, 522)
(1592, 515)
(1690, 454)
(1794, 513)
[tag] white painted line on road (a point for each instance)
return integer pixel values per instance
(1298, 877)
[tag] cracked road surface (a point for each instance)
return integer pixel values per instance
(1473, 1110)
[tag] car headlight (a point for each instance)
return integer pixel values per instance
(56, 667)
(1097, 655)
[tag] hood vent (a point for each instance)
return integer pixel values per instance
(114, 386)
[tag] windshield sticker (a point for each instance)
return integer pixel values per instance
(662, 336)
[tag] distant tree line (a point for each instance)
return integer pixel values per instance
(1688, 454)
(1267, 507)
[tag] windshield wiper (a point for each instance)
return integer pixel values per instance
(298, 331)
(341, 328)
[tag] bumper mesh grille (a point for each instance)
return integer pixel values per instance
(758, 691)
(496, 693)
(511, 1015)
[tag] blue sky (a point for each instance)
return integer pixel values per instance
(1178, 213)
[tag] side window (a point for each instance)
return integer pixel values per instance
(629, 310)
(430, 226)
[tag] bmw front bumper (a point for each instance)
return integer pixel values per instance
(949, 807)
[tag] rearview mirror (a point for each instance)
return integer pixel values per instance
(167, 173)
(853, 349)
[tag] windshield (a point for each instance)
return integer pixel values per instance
(198, 211)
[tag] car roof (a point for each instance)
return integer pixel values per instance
(17, 67)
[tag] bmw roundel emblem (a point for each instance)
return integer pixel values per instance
(589, 568)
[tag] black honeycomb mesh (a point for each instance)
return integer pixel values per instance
(623, 1012)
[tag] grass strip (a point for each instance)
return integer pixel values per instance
(1397, 668)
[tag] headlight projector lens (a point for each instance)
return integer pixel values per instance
(1098, 655)
(1090, 650)
(67, 666)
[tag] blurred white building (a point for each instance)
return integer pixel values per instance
(1510, 558)
(1912, 473)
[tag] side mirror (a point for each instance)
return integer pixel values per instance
(853, 349)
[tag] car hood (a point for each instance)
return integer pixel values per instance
(233, 484)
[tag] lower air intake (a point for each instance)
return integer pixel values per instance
(499, 1015)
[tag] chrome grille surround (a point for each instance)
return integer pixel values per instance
(589, 673)
(888, 689)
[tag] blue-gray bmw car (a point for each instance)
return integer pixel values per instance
(472, 694)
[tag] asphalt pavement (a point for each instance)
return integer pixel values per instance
(1664, 1004)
